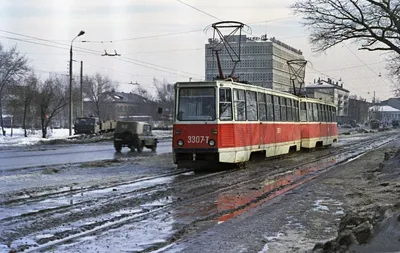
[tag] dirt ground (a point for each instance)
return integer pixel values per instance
(372, 190)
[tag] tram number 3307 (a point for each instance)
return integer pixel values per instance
(197, 139)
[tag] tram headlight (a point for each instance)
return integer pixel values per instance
(180, 143)
(211, 143)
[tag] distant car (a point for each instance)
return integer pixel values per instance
(346, 126)
(134, 135)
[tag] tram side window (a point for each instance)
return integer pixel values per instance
(328, 113)
(270, 107)
(289, 109)
(310, 116)
(251, 106)
(303, 111)
(296, 110)
(283, 109)
(225, 104)
(334, 115)
(262, 107)
(239, 104)
(315, 112)
(277, 109)
(321, 112)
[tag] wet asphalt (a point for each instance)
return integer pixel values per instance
(178, 209)
(46, 155)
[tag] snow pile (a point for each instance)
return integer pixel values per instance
(163, 134)
(18, 138)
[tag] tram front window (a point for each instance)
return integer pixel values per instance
(196, 104)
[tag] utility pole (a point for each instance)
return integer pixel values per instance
(81, 89)
(70, 120)
(70, 85)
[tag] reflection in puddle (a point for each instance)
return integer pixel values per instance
(269, 189)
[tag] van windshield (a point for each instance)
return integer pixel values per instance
(196, 104)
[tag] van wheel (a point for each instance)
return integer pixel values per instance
(118, 147)
(154, 147)
(140, 147)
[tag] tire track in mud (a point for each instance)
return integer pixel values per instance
(148, 195)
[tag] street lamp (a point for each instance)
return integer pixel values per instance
(70, 84)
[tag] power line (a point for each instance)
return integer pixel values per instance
(166, 51)
(46, 40)
(365, 64)
(92, 52)
(352, 67)
(197, 9)
(145, 37)
(331, 77)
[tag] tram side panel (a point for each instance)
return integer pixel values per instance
(287, 136)
(236, 141)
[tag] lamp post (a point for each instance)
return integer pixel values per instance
(70, 83)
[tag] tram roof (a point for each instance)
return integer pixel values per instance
(223, 83)
(247, 86)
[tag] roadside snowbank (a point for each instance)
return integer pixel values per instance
(18, 139)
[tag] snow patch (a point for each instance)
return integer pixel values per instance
(319, 206)
(18, 138)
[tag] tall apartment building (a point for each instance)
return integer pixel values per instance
(263, 61)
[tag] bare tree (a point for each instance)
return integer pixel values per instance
(165, 95)
(12, 67)
(96, 89)
(50, 101)
(143, 92)
(374, 25)
(28, 93)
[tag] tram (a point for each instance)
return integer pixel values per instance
(226, 122)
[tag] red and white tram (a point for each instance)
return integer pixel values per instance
(225, 122)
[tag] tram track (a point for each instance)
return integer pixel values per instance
(149, 184)
(36, 195)
(115, 221)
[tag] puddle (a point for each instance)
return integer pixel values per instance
(55, 202)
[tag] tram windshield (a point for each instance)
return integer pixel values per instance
(196, 104)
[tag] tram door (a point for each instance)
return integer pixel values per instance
(323, 131)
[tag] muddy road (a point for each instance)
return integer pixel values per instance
(145, 204)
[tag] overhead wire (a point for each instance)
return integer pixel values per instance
(89, 51)
(379, 75)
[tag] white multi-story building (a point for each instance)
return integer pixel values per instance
(386, 114)
(331, 92)
(263, 61)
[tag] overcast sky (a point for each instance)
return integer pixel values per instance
(136, 29)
